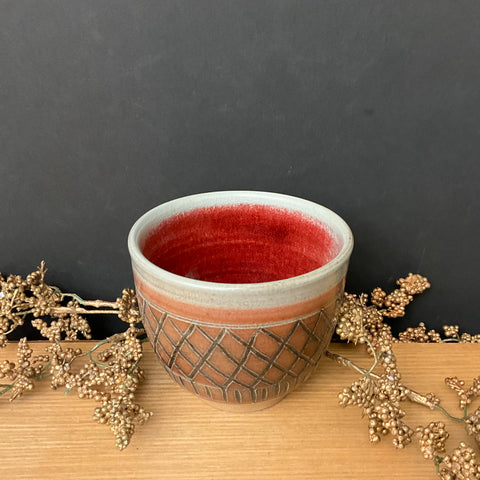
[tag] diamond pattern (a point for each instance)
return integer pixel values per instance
(241, 364)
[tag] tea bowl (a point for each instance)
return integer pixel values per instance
(238, 291)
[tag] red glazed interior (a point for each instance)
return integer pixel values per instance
(240, 244)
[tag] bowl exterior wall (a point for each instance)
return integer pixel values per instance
(263, 356)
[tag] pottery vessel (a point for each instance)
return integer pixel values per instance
(239, 290)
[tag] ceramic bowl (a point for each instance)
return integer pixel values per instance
(238, 291)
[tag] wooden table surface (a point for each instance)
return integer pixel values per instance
(47, 435)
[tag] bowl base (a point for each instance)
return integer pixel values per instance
(243, 407)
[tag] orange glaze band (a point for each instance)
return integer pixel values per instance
(238, 316)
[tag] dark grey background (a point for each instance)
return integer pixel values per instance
(371, 108)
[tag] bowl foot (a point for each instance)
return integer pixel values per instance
(243, 407)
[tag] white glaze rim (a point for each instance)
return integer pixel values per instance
(241, 295)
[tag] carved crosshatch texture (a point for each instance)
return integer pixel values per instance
(238, 364)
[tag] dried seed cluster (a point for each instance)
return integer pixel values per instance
(111, 377)
(386, 417)
(13, 301)
(380, 399)
(68, 325)
(121, 415)
(419, 335)
(473, 425)
(468, 338)
(128, 307)
(112, 373)
(465, 395)
(451, 331)
(359, 393)
(61, 364)
(432, 439)
(379, 395)
(462, 464)
(358, 322)
(394, 303)
(361, 322)
(350, 326)
(22, 374)
(432, 400)
(32, 296)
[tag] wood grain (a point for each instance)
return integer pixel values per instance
(47, 435)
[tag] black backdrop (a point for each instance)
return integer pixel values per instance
(110, 107)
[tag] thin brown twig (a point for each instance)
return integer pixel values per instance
(68, 310)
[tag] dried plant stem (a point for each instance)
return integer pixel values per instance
(88, 303)
(15, 324)
(6, 388)
(346, 362)
(67, 310)
(95, 304)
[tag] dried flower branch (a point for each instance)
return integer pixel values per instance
(112, 372)
(379, 394)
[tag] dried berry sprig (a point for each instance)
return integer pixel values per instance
(21, 375)
(112, 373)
(418, 335)
(458, 387)
(395, 302)
(112, 384)
(111, 378)
(55, 314)
(461, 464)
(473, 425)
(379, 395)
(359, 321)
(450, 333)
(432, 439)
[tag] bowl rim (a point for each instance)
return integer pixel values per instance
(155, 215)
